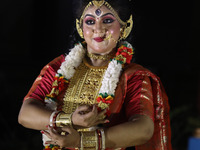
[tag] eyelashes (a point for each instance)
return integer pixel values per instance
(105, 21)
(108, 20)
(90, 21)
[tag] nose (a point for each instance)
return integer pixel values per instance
(98, 27)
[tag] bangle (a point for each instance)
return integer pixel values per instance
(103, 144)
(81, 148)
(52, 118)
(63, 119)
(89, 140)
(99, 139)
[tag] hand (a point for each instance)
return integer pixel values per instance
(71, 139)
(87, 116)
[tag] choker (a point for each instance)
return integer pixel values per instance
(101, 57)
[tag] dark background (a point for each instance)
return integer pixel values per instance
(166, 39)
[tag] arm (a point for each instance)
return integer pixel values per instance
(135, 132)
(139, 109)
(34, 115)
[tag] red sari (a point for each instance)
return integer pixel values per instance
(138, 92)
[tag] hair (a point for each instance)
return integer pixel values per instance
(124, 8)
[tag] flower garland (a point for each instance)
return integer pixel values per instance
(109, 83)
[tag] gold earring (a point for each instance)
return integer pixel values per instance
(78, 28)
(126, 29)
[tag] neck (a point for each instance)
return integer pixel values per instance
(97, 62)
(98, 59)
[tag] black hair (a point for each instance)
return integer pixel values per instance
(124, 8)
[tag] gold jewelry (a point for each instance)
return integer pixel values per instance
(126, 29)
(63, 119)
(110, 37)
(98, 4)
(89, 140)
(79, 29)
(101, 57)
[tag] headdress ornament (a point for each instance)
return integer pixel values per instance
(127, 26)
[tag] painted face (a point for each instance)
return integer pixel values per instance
(97, 26)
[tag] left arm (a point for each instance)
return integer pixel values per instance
(137, 131)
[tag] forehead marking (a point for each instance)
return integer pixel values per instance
(98, 12)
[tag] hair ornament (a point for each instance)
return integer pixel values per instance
(98, 4)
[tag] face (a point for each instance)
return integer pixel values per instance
(97, 27)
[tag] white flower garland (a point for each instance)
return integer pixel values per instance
(74, 59)
(68, 68)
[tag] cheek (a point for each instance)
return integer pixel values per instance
(87, 31)
(115, 31)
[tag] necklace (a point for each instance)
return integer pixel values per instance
(101, 57)
(110, 79)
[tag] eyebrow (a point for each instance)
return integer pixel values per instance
(101, 16)
(107, 14)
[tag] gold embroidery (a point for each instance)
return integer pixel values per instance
(83, 87)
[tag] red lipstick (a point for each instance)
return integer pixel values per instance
(99, 39)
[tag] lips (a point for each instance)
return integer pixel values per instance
(99, 39)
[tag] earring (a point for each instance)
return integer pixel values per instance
(126, 30)
(78, 28)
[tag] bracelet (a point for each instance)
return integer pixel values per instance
(52, 118)
(99, 139)
(92, 140)
(81, 148)
(89, 140)
(103, 143)
(63, 119)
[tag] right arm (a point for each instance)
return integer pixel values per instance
(34, 114)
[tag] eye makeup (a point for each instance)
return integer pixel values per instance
(89, 20)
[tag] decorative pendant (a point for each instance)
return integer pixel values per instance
(98, 12)
(98, 4)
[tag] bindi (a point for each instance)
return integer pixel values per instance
(98, 12)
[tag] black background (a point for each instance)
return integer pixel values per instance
(166, 40)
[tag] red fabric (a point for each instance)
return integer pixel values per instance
(130, 99)
(43, 83)
(127, 104)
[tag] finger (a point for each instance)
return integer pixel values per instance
(47, 134)
(68, 129)
(102, 113)
(94, 109)
(83, 108)
(53, 133)
(52, 130)
(101, 122)
(51, 142)
(94, 112)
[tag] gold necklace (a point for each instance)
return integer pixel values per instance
(101, 57)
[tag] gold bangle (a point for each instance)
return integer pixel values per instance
(64, 119)
(89, 140)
